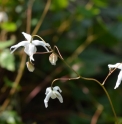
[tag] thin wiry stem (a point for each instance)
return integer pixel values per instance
(43, 52)
(58, 51)
(63, 79)
(39, 37)
(91, 79)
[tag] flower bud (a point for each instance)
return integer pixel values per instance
(53, 58)
(30, 66)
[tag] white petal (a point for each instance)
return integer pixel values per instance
(47, 99)
(58, 95)
(117, 65)
(23, 43)
(48, 90)
(31, 58)
(57, 88)
(118, 80)
(27, 36)
(53, 96)
(30, 50)
(41, 43)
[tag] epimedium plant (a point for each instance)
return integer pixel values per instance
(87, 12)
(54, 92)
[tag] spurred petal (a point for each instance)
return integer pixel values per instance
(58, 95)
(47, 99)
(23, 43)
(118, 80)
(41, 43)
(30, 50)
(27, 36)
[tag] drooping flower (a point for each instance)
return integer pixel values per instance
(3, 16)
(30, 45)
(30, 66)
(53, 93)
(119, 66)
(53, 58)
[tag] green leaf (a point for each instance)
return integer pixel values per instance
(105, 38)
(7, 60)
(100, 3)
(59, 4)
(83, 12)
(76, 119)
(9, 26)
(10, 117)
(116, 30)
(92, 60)
(5, 44)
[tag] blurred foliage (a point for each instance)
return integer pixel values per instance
(88, 34)
(7, 60)
(10, 117)
(8, 26)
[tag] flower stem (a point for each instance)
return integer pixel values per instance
(63, 79)
(91, 79)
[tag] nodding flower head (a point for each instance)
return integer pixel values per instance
(30, 45)
(53, 93)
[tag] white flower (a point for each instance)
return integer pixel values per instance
(3, 17)
(30, 45)
(119, 66)
(53, 93)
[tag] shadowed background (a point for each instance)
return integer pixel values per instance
(88, 34)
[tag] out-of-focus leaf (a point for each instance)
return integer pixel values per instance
(116, 30)
(9, 26)
(77, 92)
(59, 4)
(95, 11)
(7, 60)
(100, 3)
(111, 12)
(10, 117)
(105, 37)
(92, 59)
(5, 44)
(77, 119)
(83, 12)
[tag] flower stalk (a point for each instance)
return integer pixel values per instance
(91, 79)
